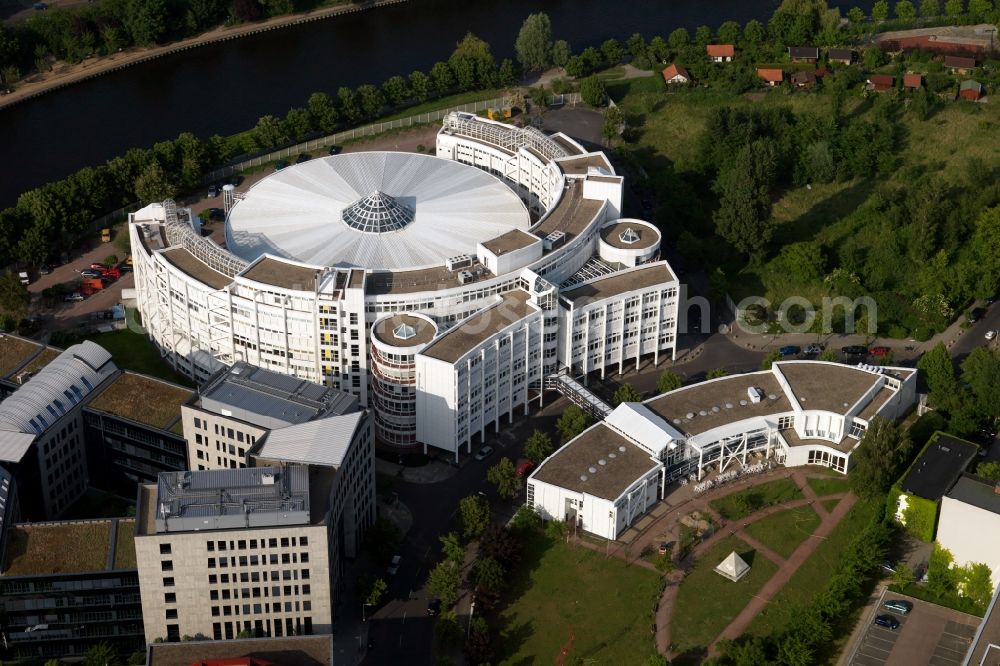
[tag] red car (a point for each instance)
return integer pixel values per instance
(524, 467)
(879, 352)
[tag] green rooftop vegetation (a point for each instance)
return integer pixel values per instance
(14, 352)
(58, 548)
(125, 545)
(143, 400)
(43, 358)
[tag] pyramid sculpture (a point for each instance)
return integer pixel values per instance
(733, 567)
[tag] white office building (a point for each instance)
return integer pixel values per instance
(506, 249)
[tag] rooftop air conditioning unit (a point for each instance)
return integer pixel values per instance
(459, 262)
(755, 394)
(465, 277)
(554, 240)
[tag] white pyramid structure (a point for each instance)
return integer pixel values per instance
(733, 567)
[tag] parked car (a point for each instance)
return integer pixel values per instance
(75, 296)
(213, 191)
(303, 157)
(887, 621)
(394, 565)
(976, 314)
(789, 350)
(335, 150)
(433, 607)
(524, 467)
(216, 214)
(900, 606)
(990, 334)
(888, 566)
(879, 352)
(854, 350)
(90, 273)
(815, 348)
(280, 164)
(44, 270)
(484, 453)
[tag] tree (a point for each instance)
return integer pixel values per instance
(370, 100)
(855, 15)
(977, 585)
(507, 74)
(939, 373)
(247, 10)
(592, 91)
(420, 86)
(572, 422)
(635, 45)
(443, 582)
(375, 592)
(729, 32)
(978, 9)
(504, 476)
(269, 133)
(347, 105)
(613, 123)
(297, 124)
(489, 577)
(989, 470)
(447, 634)
(873, 57)
(953, 8)
(14, 296)
(452, 548)
(678, 39)
(473, 515)
(625, 393)
(905, 10)
(477, 646)
(526, 519)
(442, 78)
(534, 42)
(322, 115)
(878, 457)
(612, 51)
(880, 10)
(146, 20)
(561, 52)
(753, 32)
(668, 381)
(930, 8)
(395, 90)
(903, 575)
(981, 373)
(942, 578)
(829, 355)
(473, 63)
(744, 185)
(153, 184)
(772, 356)
(538, 447)
(101, 654)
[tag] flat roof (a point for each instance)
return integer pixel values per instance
(580, 165)
(15, 352)
(510, 241)
(190, 264)
(647, 236)
(566, 145)
(288, 651)
(220, 499)
(455, 343)
(727, 395)
(40, 360)
(976, 491)
(831, 387)
(270, 399)
(54, 548)
(987, 638)
(619, 283)
(409, 282)
(845, 445)
(423, 330)
(571, 215)
(568, 465)
(938, 467)
(142, 399)
(871, 409)
(282, 274)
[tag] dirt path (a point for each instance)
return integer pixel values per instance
(64, 73)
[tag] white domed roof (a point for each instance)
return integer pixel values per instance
(373, 210)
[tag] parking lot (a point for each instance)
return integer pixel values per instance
(929, 634)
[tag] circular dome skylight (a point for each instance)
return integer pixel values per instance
(377, 213)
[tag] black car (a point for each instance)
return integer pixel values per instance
(303, 157)
(335, 150)
(976, 314)
(433, 607)
(854, 350)
(887, 621)
(216, 214)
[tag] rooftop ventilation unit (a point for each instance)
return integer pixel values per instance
(465, 277)
(267, 479)
(459, 262)
(755, 394)
(554, 240)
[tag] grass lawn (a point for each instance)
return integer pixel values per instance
(756, 497)
(707, 602)
(830, 504)
(812, 576)
(134, 351)
(782, 532)
(823, 487)
(599, 609)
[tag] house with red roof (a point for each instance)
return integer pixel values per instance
(721, 52)
(880, 82)
(970, 90)
(676, 74)
(774, 77)
(912, 81)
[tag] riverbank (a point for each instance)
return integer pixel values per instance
(65, 74)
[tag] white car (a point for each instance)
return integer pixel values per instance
(991, 334)
(483, 453)
(394, 565)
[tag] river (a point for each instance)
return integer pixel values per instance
(223, 88)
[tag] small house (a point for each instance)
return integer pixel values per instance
(970, 90)
(676, 74)
(959, 64)
(721, 52)
(803, 53)
(803, 79)
(912, 81)
(774, 77)
(841, 56)
(880, 82)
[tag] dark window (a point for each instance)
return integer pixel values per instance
(171, 613)
(211, 546)
(173, 632)
(211, 563)
(166, 565)
(214, 595)
(217, 626)
(164, 549)
(168, 582)
(170, 598)
(284, 542)
(303, 541)
(242, 545)
(308, 622)
(306, 589)
(304, 558)
(212, 579)
(272, 543)
(305, 574)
